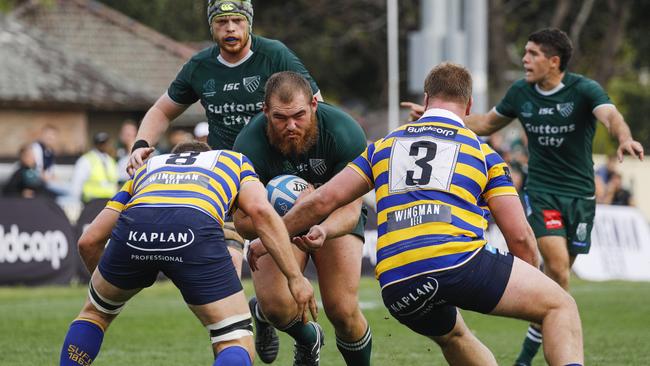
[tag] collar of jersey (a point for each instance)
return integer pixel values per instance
(244, 59)
(430, 115)
(546, 93)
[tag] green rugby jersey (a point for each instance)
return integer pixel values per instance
(560, 127)
(340, 140)
(232, 93)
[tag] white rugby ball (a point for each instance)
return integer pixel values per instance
(283, 190)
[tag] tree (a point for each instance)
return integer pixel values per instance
(343, 43)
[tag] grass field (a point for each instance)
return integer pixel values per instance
(157, 329)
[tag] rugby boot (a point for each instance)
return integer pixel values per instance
(267, 342)
(309, 355)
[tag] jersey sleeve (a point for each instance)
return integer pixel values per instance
(506, 106)
(180, 90)
(247, 173)
(288, 61)
(499, 180)
(122, 197)
(594, 93)
(362, 165)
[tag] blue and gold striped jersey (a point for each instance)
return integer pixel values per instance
(207, 181)
(430, 178)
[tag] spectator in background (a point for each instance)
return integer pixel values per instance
(615, 194)
(128, 131)
(605, 171)
(26, 181)
(602, 176)
(43, 151)
(497, 143)
(176, 136)
(201, 131)
(95, 172)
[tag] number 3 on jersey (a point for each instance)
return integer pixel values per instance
(422, 163)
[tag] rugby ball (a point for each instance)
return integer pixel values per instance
(283, 190)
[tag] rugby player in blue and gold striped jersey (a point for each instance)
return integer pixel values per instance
(169, 218)
(431, 178)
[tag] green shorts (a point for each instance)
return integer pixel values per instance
(359, 230)
(556, 215)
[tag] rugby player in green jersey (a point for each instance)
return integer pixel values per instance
(558, 111)
(228, 79)
(298, 135)
(431, 178)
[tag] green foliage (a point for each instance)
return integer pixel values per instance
(603, 142)
(343, 43)
(156, 328)
(634, 94)
(6, 5)
(184, 20)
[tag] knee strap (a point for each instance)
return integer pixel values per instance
(235, 327)
(103, 304)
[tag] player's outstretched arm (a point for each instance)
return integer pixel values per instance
(481, 124)
(509, 216)
(415, 112)
(93, 240)
(154, 124)
(268, 224)
(343, 220)
(613, 120)
(487, 123)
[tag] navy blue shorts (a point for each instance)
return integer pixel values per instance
(185, 244)
(427, 303)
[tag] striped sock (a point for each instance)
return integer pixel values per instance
(531, 345)
(300, 332)
(82, 343)
(356, 353)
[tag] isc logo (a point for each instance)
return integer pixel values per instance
(545, 111)
(231, 86)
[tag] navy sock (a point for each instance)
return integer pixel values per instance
(233, 356)
(82, 343)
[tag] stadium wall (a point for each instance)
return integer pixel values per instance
(20, 126)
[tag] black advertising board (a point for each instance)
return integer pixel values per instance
(37, 243)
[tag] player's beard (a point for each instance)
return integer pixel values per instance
(234, 50)
(292, 147)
